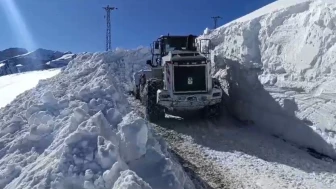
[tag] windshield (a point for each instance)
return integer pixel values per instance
(176, 43)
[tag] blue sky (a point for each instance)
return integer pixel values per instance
(79, 25)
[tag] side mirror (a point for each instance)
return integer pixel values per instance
(149, 62)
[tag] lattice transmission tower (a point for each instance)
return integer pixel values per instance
(108, 10)
(215, 18)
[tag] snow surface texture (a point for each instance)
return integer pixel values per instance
(35, 60)
(13, 85)
(279, 64)
(76, 130)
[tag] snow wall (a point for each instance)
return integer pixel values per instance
(77, 130)
(277, 66)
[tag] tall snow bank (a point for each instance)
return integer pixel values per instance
(279, 61)
(129, 61)
(76, 130)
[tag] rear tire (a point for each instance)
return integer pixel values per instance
(154, 111)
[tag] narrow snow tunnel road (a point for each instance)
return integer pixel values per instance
(226, 154)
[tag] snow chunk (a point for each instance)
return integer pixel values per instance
(111, 176)
(9, 174)
(133, 138)
(49, 99)
(207, 31)
(114, 116)
(130, 180)
(107, 153)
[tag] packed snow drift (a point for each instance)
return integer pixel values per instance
(277, 65)
(13, 85)
(77, 130)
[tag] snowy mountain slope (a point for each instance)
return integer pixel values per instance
(11, 52)
(35, 60)
(76, 130)
(13, 85)
(279, 62)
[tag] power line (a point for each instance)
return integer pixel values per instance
(215, 18)
(108, 10)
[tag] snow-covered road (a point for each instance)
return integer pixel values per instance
(228, 154)
(255, 159)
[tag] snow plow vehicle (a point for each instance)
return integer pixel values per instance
(179, 79)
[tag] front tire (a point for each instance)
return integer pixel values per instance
(212, 111)
(215, 110)
(154, 111)
(137, 93)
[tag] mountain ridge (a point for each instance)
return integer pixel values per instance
(12, 52)
(40, 59)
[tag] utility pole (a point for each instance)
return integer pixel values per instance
(108, 10)
(215, 20)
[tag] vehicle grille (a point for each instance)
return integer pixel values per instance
(195, 75)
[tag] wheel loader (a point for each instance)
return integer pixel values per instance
(179, 78)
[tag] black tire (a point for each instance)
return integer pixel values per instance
(216, 83)
(137, 92)
(212, 111)
(154, 112)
